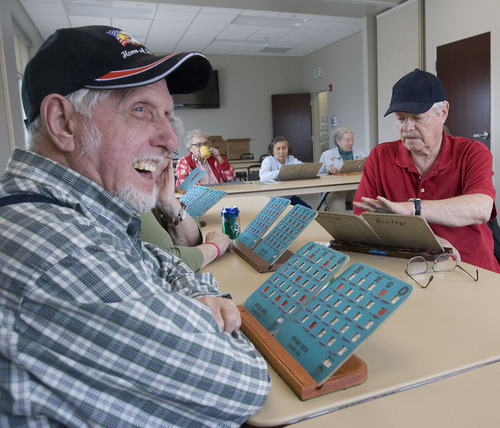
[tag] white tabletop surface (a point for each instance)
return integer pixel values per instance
(443, 330)
(326, 183)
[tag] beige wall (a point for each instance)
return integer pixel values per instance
(399, 52)
(245, 86)
(342, 67)
(247, 83)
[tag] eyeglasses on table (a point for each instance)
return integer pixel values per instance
(443, 263)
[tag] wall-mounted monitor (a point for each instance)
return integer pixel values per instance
(206, 98)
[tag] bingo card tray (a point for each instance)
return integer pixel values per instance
(269, 253)
(308, 324)
(191, 180)
(200, 199)
(353, 372)
(257, 262)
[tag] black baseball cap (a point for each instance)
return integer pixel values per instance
(102, 57)
(416, 93)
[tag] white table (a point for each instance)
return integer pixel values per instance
(445, 330)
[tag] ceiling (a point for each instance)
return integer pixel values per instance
(216, 27)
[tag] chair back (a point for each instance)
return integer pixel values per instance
(253, 172)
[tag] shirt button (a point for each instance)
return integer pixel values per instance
(422, 190)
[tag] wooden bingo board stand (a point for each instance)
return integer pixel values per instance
(269, 253)
(257, 262)
(352, 372)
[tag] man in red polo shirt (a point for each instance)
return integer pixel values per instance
(445, 179)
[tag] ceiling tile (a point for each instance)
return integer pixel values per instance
(186, 27)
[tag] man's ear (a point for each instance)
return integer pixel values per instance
(60, 121)
(445, 110)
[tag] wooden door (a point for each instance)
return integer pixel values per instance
(464, 69)
(292, 120)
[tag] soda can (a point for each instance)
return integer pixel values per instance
(230, 217)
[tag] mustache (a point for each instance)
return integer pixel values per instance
(410, 135)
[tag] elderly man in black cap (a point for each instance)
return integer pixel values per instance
(98, 328)
(445, 179)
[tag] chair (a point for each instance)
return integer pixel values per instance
(265, 155)
(253, 172)
(495, 230)
(246, 156)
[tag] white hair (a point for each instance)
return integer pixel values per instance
(438, 107)
(339, 134)
(191, 135)
(82, 101)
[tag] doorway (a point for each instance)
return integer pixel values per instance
(292, 120)
(320, 124)
(464, 68)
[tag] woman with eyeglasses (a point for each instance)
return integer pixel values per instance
(332, 161)
(217, 167)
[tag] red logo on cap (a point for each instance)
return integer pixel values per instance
(122, 37)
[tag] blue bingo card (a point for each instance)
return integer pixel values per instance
(260, 224)
(284, 233)
(325, 332)
(200, 199)
(293, 284)
(192, 179)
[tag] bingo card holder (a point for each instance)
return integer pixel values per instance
(191, 179)
(333, 320)
(271, 252)
(200, 199)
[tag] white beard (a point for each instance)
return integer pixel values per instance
(142, 202)
(91, 140)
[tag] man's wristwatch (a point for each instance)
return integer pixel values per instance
(180, 217)
(418, 205)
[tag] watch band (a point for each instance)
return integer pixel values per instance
(418, 205)
(174, 221)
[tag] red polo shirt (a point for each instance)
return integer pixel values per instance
(463, 167)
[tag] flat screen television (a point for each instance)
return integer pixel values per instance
(206, 98)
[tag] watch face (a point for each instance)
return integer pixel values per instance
(183, 214)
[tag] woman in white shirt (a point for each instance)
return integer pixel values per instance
(280, 152)
(333, 160)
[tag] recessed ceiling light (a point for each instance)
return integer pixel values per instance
(275, 50)
(268, 21)
(235, 42)
(368, 3)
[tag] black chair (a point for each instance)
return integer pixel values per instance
(265, 155)
(253, 172)
(246, 156)
(495, 230)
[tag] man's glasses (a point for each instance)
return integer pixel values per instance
(205, 143)
(443, 263)
(173, 155)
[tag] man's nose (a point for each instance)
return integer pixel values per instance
(166, 134)
(408, 123)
